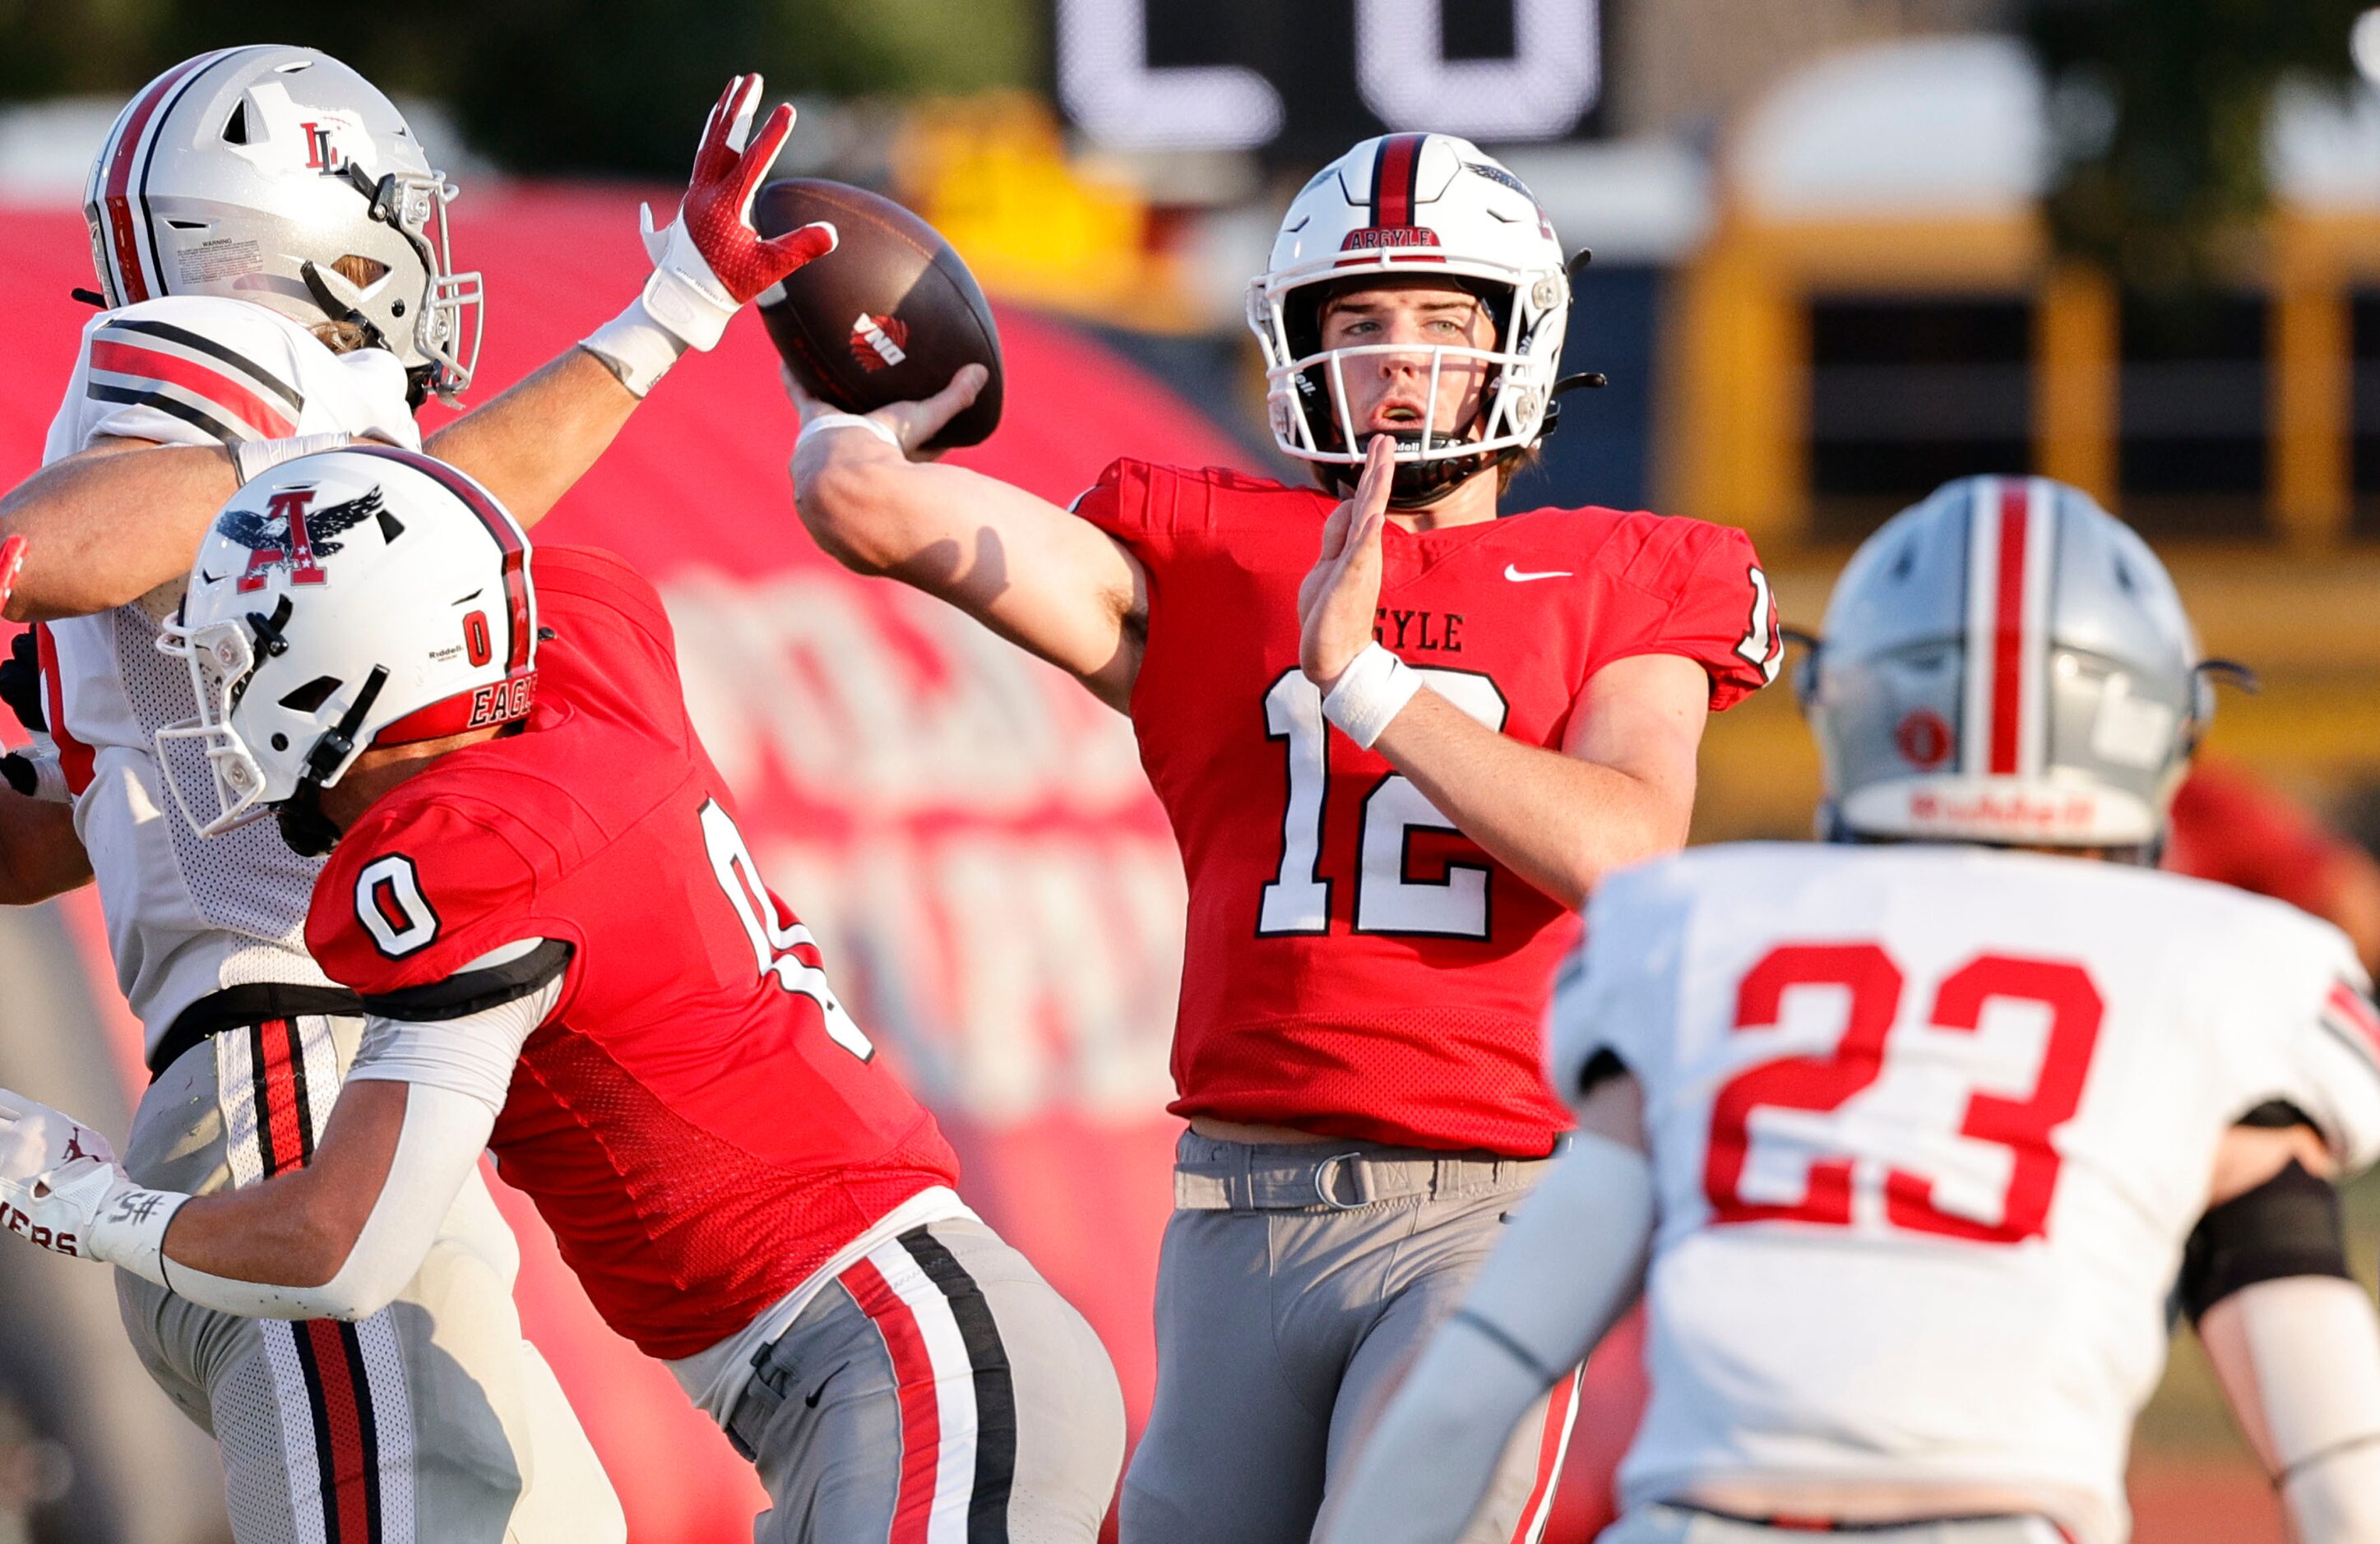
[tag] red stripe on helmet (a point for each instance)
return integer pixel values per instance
(116, 188)
(2008, 630)
(500, 525)
(1396, 172)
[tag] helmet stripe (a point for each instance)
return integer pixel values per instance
(2008, 625)
(115, 188)
(1396, 175)
(2034, 626)
(501, 527)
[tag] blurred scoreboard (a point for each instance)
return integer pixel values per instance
(1300, 81)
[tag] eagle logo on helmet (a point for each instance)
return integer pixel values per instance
(290, 534)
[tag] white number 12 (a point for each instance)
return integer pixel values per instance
(1298, 899)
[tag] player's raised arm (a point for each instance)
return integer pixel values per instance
(530, 445)
(1622, 788)
(1021, 566)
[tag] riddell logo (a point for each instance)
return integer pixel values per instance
(2005, 811)
(877, 342)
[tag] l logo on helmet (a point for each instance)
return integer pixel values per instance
(291, 536)
(321, 154)
(877, 342)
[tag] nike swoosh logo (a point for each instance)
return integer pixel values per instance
(1516, 576)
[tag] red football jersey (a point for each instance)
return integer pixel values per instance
(1354, 966)
(699, 1120)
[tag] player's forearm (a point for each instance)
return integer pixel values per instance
(39, 854)
(1067, 596)
(529, 446)
(1558, 822)
(106, 526)
(339, 1238)
(2299, 1362)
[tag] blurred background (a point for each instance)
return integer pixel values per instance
(1844, 250)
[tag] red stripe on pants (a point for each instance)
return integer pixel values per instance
(913, 1381)
(74, 757)
(280, 1071)
(2008, 638)
(347, 1498)
(1561, 1410)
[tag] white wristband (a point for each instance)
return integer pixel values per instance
(254, 458)
(130, 1232)
(638, 349)
(1372, 689)
(875, 426)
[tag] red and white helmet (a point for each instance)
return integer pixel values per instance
(1409, 204)
(363, 597)
(247, 172)
(2005, 661)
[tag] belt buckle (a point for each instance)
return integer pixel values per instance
(1322, 1184)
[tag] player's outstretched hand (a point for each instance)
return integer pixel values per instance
(911, 424)
(1339, 597)
(55, 1174)
(710, 261)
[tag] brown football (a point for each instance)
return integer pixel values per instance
(890, 315)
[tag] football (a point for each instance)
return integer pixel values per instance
(889, 316)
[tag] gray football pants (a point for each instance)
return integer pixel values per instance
(1676, 1525)
(431, 1422)
(1297, 1285)
(937, 1391)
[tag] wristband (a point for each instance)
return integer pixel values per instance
(636, 347)
(254, 458)
(130, 1232)
(875, 426)
(1372, 689)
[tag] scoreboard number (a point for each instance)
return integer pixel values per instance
(1400, 74)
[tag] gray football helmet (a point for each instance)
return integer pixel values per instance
(249, 172)
(2005, 662)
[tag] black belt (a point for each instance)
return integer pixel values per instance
(1789, 1521)
(237, 1007)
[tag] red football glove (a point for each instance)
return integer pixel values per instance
(710, 261)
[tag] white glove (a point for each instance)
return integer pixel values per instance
(60, 1190)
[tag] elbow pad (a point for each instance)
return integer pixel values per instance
(436, 1150)
(2288, 1226)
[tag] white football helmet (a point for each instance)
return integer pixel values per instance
(2005, 662)
(362, 597)
(247, 172)
(1408, 204)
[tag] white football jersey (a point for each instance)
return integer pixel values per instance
(1930, 1125)
(188, 917)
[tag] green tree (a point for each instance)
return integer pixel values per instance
(551, 87)
(2158, 110)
